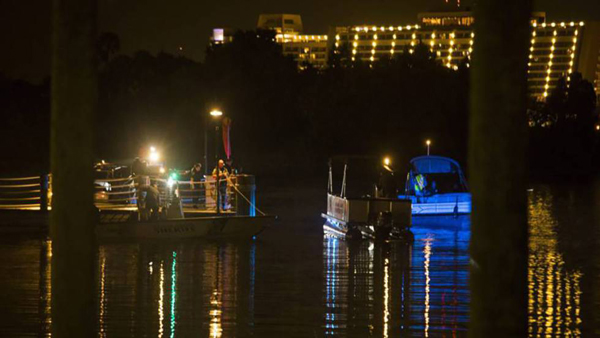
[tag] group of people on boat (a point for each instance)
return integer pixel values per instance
(149, 199)
(223, 173)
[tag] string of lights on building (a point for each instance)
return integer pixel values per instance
(557, 49)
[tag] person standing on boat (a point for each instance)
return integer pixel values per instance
(420, 185)
(196, 184)
(229, 166)
(151, 202)
(220, 174)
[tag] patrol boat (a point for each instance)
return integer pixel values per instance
(178, 222)
(436, 185)
(354, 215)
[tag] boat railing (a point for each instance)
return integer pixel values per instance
(24, 193)
(35, 193)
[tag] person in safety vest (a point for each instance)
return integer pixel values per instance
(220, 174)
(420, 184)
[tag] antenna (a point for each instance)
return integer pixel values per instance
(343, 193)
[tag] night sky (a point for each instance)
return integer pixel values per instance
(154, 25)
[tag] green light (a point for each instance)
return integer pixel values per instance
(174, 176)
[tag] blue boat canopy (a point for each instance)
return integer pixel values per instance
(434, 165)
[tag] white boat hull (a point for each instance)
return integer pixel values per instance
(441, 208)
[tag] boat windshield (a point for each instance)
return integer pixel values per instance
(435, 175)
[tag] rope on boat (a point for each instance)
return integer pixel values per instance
(247, 200)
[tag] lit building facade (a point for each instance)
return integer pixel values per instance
(451, 45)
(304, 49)
(557, 49)
(221, 36)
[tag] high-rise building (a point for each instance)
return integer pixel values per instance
(557, 49)
(304, 49)
(451, 44)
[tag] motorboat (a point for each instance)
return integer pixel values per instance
(354, 214)
(436, 185)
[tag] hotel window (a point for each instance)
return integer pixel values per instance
(536, 75)
(563, 44)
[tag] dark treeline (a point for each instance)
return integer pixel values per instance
(285, 120)
(564, 135)
(24, 127)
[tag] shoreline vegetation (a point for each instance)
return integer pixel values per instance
(287, 122)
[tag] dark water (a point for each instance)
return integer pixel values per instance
(292, 282)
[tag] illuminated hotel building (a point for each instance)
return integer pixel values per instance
(451, 45)
(556, 50)
(304, 49)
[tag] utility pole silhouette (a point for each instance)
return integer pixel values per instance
(72, 219)
(498, 169)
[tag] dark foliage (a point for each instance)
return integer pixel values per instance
(285, 121)
(564, 139)
(24, 131)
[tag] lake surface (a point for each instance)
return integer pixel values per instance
(293, 282)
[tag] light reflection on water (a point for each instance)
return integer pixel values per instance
(311, 286)
(554, 288)
(398, 289)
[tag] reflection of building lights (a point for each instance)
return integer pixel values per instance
(554, 290)
(386, 297)
(161, 301)
(102, 311)
(173, 293)
(427, 253)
